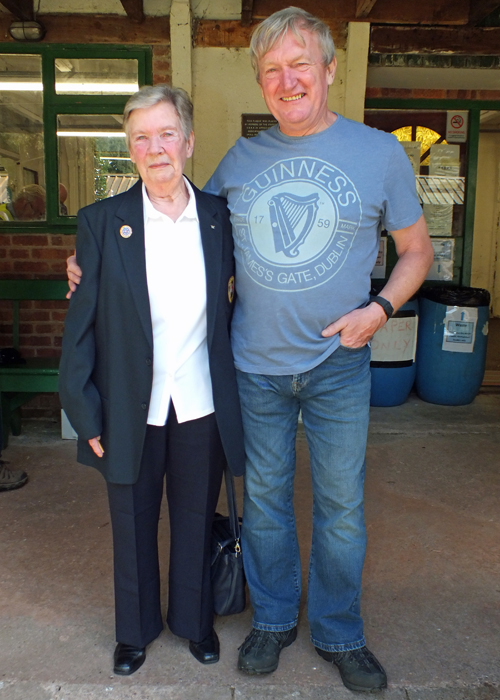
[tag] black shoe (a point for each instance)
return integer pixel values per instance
(359, 669)
(128, 659)
(260, 652)
(10, 479)
(206, 651)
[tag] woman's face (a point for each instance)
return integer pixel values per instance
(158, 147)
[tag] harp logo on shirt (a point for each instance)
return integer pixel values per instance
(292, 219)
(295, 224)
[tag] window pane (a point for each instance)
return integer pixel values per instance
(22, 172)
(96, 76)
(93, 159)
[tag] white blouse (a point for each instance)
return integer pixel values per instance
(175, 270)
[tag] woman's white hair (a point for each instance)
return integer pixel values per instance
(292, 19)
(151, 95)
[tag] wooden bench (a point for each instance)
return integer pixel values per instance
(21, 382)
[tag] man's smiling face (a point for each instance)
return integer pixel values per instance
(294, 83)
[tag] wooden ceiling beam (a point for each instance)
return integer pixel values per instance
(246, 12)
(229, 33)
(427, 40)
(479, 9)
(21, 9)
(364, 7)
(98, 29)
(134, 10)
(426, 12)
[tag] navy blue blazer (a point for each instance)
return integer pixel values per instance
(107, 358)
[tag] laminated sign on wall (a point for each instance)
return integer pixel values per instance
(413, 149)
(444, 255)
(439, 219)
(444, 160)
(459, 328)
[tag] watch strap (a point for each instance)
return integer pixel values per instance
(386, 305)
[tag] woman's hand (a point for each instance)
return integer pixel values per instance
(96, 446)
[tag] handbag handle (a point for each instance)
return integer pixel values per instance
(232, 508)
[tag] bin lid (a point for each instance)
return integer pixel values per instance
(457, 296)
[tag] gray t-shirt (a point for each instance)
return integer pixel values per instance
(307, 213)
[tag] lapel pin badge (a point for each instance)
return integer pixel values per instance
(230, 289)
(126, 231)
(212, 226)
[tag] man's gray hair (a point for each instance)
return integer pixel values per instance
(151, 95)
(273, 30)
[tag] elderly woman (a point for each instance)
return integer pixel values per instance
(147, 377)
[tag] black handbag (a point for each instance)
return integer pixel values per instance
(227, 574)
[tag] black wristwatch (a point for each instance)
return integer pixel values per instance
(386, 305)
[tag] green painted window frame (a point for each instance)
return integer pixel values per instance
(54, 104)
(474, 107)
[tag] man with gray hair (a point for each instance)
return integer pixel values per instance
(308, 200)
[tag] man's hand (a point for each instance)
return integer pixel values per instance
(415, 254)
(96, 446)
(357, 327)
(74, 275)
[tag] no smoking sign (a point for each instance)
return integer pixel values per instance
(456, 127)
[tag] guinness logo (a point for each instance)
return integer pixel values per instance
(295, 223)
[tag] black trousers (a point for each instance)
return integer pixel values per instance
(191, 457)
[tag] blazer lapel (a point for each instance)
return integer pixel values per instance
(211, 239)
(130, 220)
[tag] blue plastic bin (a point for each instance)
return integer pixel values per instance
(452, 342)
(393, 367)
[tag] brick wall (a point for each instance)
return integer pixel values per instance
(34, 255)
(41, 323)
(41, 326)
(162, 69)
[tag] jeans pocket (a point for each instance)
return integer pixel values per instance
(349, 349)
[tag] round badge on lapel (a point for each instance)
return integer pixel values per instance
(126, 231)
(230, 289)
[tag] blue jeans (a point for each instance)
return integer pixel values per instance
(334, 399)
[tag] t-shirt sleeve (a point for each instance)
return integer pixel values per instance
(401, 204)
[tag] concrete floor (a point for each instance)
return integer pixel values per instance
(431, 583)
